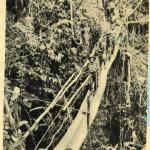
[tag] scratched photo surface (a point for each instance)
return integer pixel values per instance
(75, 75)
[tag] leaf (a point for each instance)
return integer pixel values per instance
(25, 99)
(18, 46)
(55, 80)
(41, 70)
(49, 90)
(6, 127)
(28, 104)
(42, 47)
(16, 93)
(73, 50)
(7, 137)
(111, 5)
(48, 45)
(24, 122)
(44, 78)
(14, 138)
(5, 132)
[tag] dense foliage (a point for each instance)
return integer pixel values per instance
(49, 42)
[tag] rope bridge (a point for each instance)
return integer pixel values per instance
(94, 77)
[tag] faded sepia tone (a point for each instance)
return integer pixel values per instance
(75, 74)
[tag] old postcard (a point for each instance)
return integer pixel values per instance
(75, 74)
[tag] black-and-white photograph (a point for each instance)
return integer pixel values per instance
(76, 75)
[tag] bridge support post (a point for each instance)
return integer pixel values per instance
(88, 123)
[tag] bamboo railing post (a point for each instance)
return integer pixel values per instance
(88, 123)
(75, 94)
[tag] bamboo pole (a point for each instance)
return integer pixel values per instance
(88, 123)
(71, 14)
(75, 94)
(65, 100)
(51, 105)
